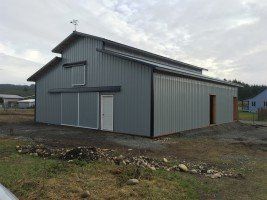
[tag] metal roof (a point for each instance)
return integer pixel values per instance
(75, 34)
(160, 67)
(10, 96)
(166, 68)
(27, 101)
(44, 69)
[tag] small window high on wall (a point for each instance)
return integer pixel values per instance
(78, 75)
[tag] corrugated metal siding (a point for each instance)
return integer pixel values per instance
(48, 105)
(69, 109)
(182, 103)
(88, 109)
(131, 105)
(77, 75)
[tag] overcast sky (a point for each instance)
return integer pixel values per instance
(228, 37)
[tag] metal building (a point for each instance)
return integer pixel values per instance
(27, 103)
(101, 84)
(9, 100)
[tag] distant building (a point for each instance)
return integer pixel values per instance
(9, 100)
(27, 103)
(255, 103)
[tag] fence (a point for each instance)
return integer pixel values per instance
(262, 114)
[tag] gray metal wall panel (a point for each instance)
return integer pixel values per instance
(88, 109)
(77, 75)
(131, 105)
(69, 109)
(182, 103)
(48, 108)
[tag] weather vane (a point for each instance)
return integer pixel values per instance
(75, 23)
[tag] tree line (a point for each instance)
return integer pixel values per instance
(248, 91)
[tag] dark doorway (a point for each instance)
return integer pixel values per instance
(235, 109)
(212, 109)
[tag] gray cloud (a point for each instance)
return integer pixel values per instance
(227, 37)
(16, 70)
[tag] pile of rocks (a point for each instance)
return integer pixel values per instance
(92, 153)
(141, 161)
(81, 153)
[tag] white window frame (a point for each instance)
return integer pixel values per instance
(84, 76)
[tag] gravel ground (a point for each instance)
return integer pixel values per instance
(68, 136)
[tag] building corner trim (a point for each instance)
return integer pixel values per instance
(152, 105)
(35, 92)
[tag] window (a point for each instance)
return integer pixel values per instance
(78, 75)
(253, 103)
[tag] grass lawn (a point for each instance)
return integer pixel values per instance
(30, 177)
(248, 116)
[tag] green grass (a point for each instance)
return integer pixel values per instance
(30, 177)
(247, 116)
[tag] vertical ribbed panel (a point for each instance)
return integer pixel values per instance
(88, 108)
(131, 105)
(48, 108)
(70, 109)
(78, 75)
(182, 103)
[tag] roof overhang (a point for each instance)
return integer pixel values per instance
(44, 69)
(86, 89)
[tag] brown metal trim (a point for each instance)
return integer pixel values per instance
(235, 109)
(212, 109)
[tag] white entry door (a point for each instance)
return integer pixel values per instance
(107, 112)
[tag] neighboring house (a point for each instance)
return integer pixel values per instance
(101, 84)
(9, 100)
(27, 103)
(257, 102)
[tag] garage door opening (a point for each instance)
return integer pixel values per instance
(212, 109)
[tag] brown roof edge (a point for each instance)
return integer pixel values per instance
(44, 69)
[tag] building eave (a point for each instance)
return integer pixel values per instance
(44, 69)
